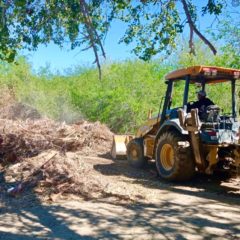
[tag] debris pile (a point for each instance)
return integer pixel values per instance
(53, 174)
(22, 139)
(50, 156)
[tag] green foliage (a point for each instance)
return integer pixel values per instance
(229, 31)
(152, 25)
(27, 24)
(123, 97)
(121, 100)
(154, 31)
(213, 7)
(227, 57)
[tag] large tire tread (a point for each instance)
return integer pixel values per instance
(141, 161)
(184, 166)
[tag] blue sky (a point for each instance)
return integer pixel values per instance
(60, 59)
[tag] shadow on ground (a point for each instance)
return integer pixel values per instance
(102, 219)
(198, 186)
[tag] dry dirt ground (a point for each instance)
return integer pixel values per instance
(139, 206)
(58, 181)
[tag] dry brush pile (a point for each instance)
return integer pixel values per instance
(50, 156)
(21, 139)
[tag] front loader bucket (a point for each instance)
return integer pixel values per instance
(119, 145)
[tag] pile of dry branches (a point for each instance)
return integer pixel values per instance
(22, 139)
(52, 175)
(50, 156)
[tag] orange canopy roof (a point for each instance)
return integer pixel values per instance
(209, 74)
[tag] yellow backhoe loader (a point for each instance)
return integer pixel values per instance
(181, 140)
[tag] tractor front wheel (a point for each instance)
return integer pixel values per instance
(174, 162)
(135, 153)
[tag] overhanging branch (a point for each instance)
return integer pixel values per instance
(92, 35)
(193, 29)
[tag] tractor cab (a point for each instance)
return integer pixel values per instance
(216, 126)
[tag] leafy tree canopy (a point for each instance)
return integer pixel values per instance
(152, 24)
(229, 31)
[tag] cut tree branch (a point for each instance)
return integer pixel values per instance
(193, 29)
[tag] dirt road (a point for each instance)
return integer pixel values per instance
(136, 204)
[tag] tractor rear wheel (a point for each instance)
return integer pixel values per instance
(135, 153)
(174, 162)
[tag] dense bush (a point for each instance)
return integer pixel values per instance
(123, 97)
